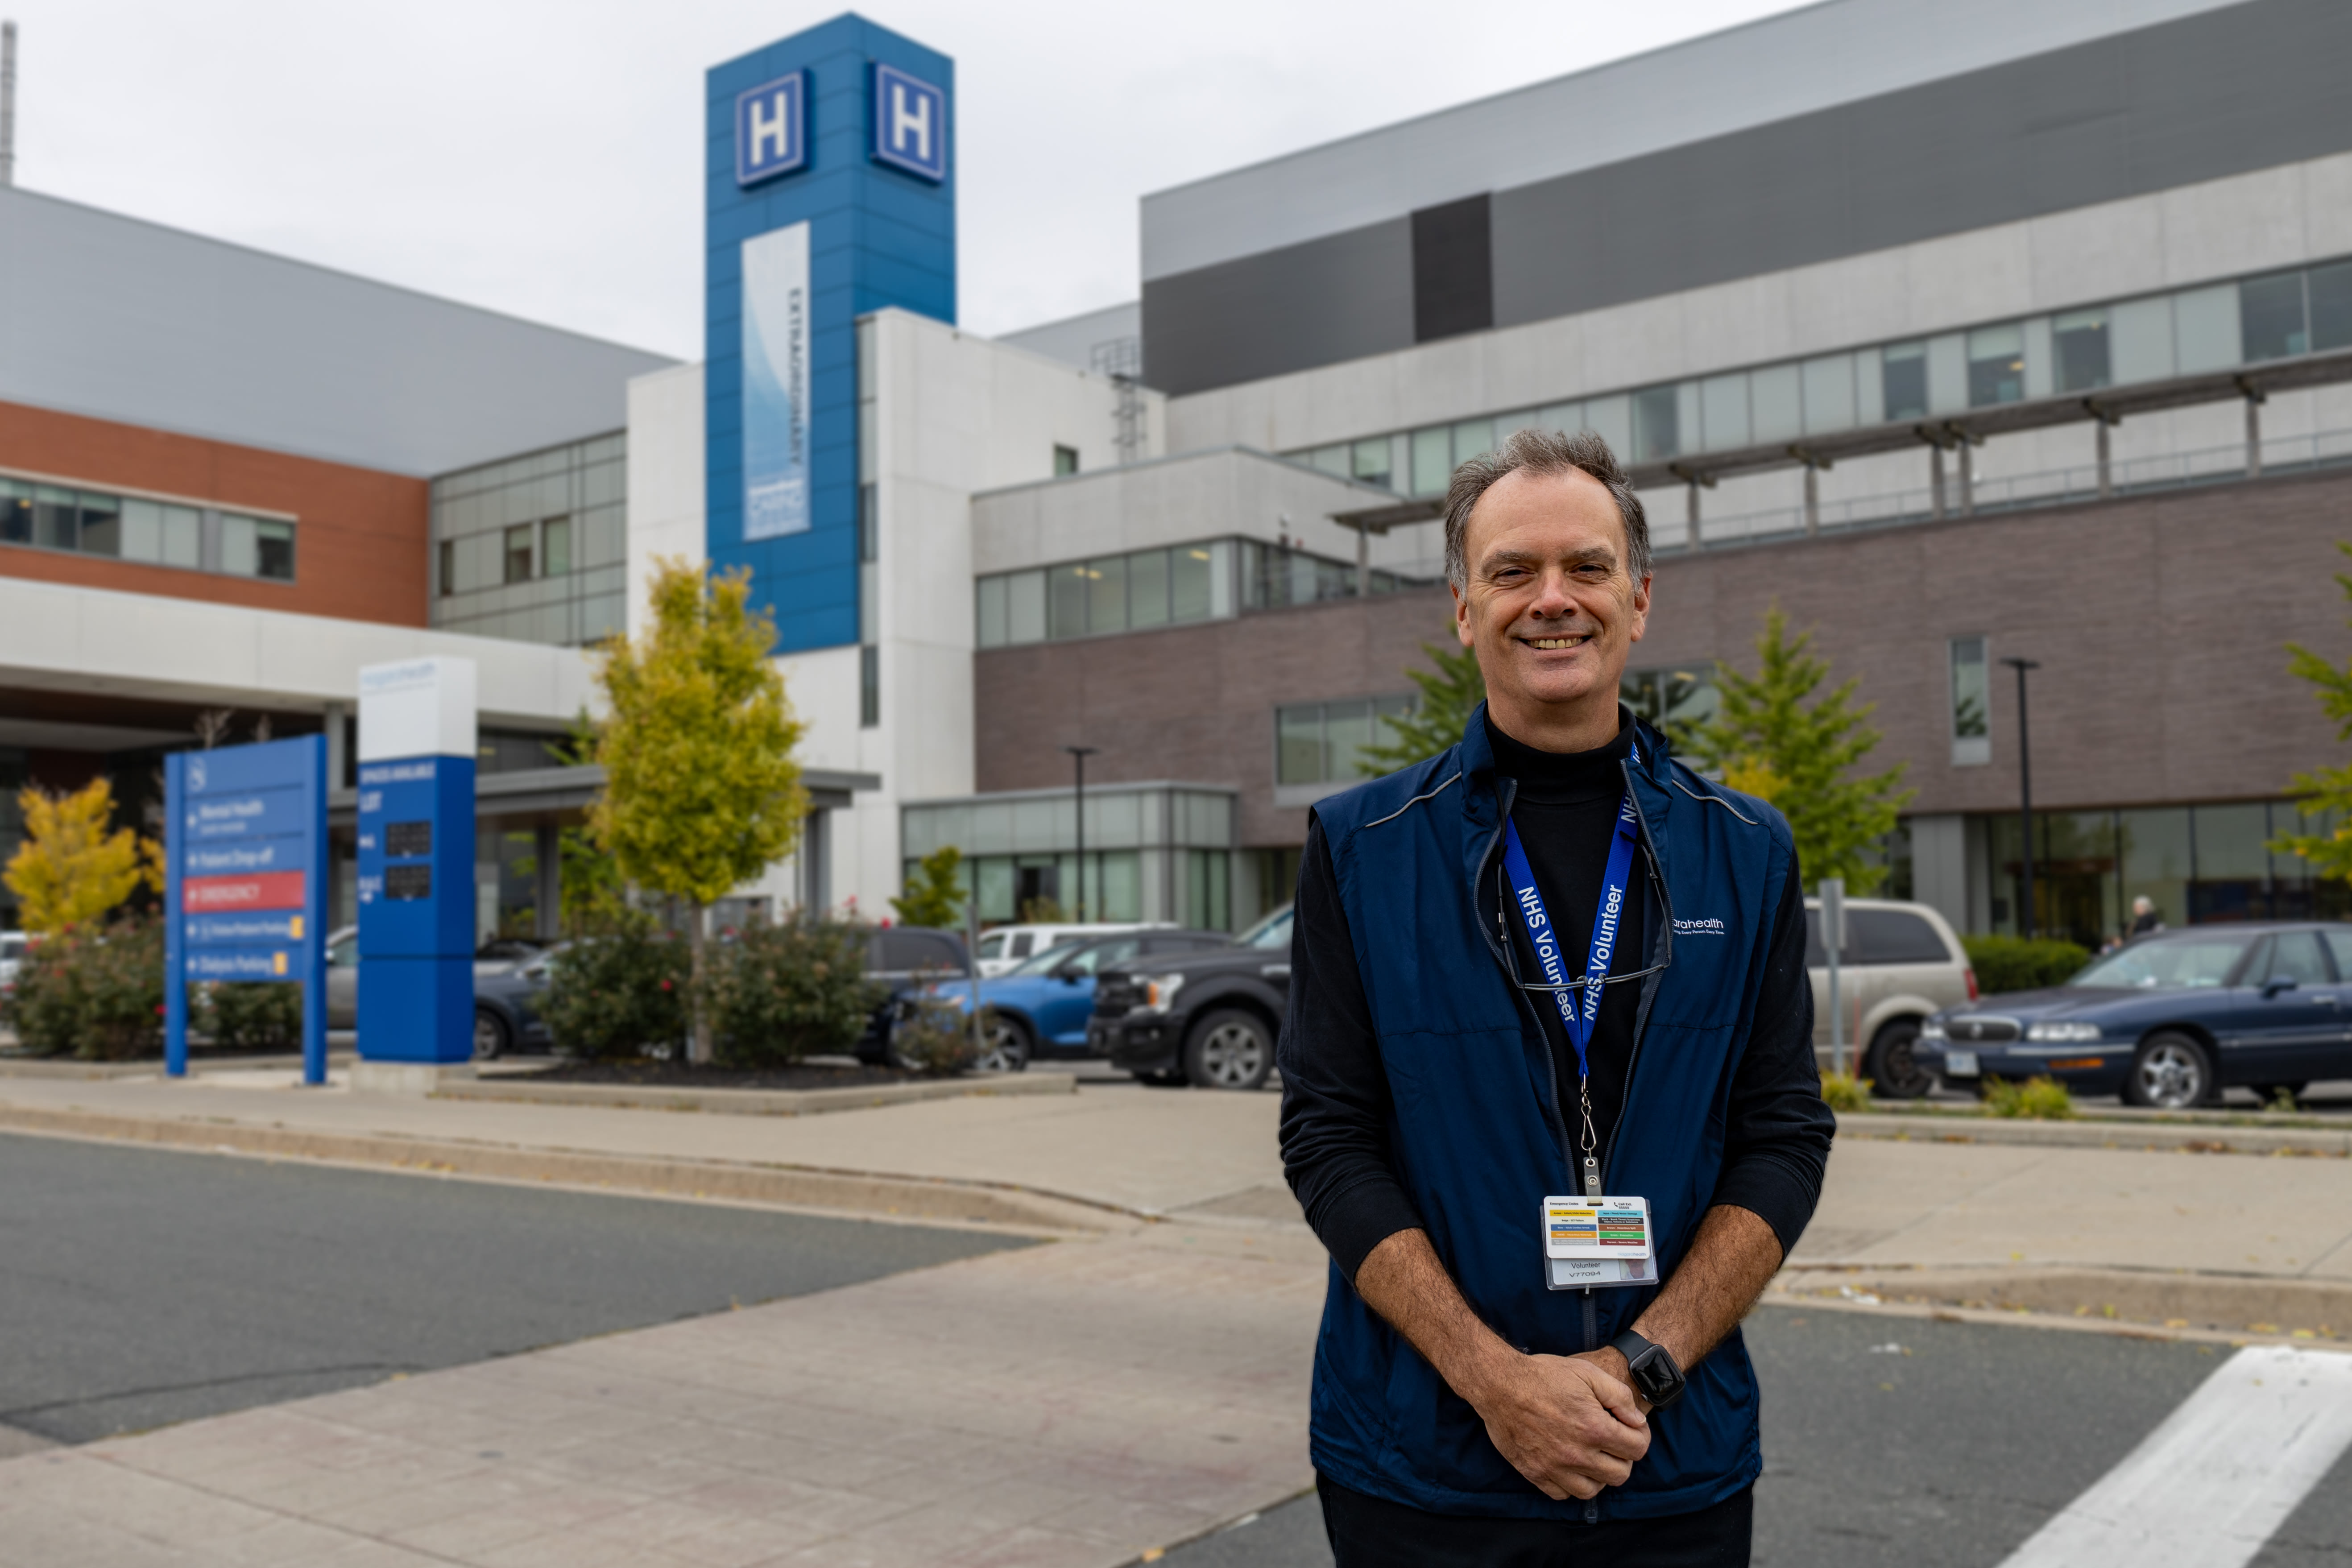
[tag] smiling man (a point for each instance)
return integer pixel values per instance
(1548, 1090)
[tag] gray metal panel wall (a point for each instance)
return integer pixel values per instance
(2216, 93)
(2194, 99)
(117, 318)
(1338, 298)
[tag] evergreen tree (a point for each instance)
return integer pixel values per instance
(933, 897)
(2324, 791)
(1768, 741)
(701, 793)
(1449, 694)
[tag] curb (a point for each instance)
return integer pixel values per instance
(752, 1102)
(152, 1066)
(2314, 1314)
(788, 1186)
(2176, 1136)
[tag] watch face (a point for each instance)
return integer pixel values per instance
(1659, 1379)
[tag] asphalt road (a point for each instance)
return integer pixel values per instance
(143, 1287)
(1932, 1445)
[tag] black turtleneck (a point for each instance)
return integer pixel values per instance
(1336, 1104)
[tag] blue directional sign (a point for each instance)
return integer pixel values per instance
(772, 129)
(244, 843)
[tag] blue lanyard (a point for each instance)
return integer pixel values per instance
(1580, 1010)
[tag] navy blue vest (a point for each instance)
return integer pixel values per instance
(1478, 1138)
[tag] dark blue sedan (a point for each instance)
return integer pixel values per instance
(2170, 1021)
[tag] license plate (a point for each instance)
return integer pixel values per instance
(1959, 1064)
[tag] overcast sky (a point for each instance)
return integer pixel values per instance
(541, 157)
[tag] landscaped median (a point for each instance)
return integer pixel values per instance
(545, 1089)
(2187, 1133)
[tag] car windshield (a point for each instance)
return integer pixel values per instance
(1272, 931)
(2189, 961)
(1046, 960)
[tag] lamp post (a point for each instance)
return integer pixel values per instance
(1079, 755)
(2025, 799)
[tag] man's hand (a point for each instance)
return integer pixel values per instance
(1564, 1422)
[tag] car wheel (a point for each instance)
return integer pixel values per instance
(2169, 1072)
(489, 1035)
(1230, 1049)
(1892, 1067)
(1006, 1046)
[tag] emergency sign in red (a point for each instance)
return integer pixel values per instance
(262, 891)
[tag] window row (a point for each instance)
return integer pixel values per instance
(2187, 332)
(534, 551)
(1274, 577)
(1327, 742)
(1133, 592)
(162, 533)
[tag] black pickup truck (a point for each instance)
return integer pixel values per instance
(1208, 1019)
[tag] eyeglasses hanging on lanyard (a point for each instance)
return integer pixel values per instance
(1578, 1000)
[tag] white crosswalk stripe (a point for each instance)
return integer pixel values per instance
(2216, 1480)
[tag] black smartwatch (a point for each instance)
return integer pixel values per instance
(1655, 1376)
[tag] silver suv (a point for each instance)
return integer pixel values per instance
(1900, 964)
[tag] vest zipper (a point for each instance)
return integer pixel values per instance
(1665, 923)
(1497, 940)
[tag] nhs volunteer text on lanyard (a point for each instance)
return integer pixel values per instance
(1589, 1240)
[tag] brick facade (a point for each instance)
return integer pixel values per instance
(2161, 623)
(359, 540)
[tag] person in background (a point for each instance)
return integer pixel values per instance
(2144, 919)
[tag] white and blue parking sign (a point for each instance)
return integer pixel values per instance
(772, 129)
(911, 123)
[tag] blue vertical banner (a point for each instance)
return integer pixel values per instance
(417, 911)
(245, 882)
(775, 383)
(829, 193)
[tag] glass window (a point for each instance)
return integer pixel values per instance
(101, 524)
(1025, 607)
(1722, 412)
(273, 551)
(2295, 955)
(2140, 339)
(1065, 461)
(1346, 731)
(518, 555)
(1068, 608)
(1971, 693)
(2331, 306)
(1656, 429)
(1190, 582)
(1208, 891)
(1612, 419)
(1829, 393)
(1996, 365)
(1107, 595)
(988, 611)
(1567, 418)
(184, 532)
(2340, 947)
(2154, 846)
(2205, 329)
(2270, 317)
(143, 530)
(1903, 380)
(16, 512)
(1370, 461)
(1299, 744)
(240, 546)
(1893, 936)
(555, 546)
(869, 686)
(2080, 341)
(1147, 588)
(57, 518)
(1329, 459)
(1433, 461)
(1776, 403)
(1471, 438)
(1947, 373)
(2232, 860)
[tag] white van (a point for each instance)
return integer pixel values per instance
(1901, 962)
(1006, 946)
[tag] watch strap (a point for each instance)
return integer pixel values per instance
(1642, 1356)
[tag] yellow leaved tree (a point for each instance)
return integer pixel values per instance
(701, 793)
(69, 867)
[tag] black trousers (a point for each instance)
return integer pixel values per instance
(1373, 1532)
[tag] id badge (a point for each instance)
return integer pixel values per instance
(1596, 1243)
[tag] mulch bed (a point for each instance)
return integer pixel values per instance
(650, 1074)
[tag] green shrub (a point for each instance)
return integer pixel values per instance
(250, 1015)
(2037, 1099)
(797, 989)
(619, 991)
(933, 1037)
(2013, 963)
(93, 990)
(1844, 1091)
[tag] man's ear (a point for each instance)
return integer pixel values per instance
(1462, 616)
(1641, 607)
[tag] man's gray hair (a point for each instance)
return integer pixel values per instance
(1542, 452)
